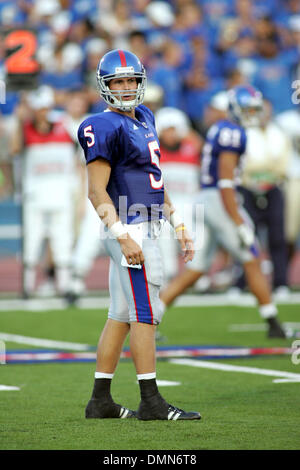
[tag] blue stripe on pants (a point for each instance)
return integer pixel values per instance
(139, 285)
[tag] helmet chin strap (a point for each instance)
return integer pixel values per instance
(120, 103)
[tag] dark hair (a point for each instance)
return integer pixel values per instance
(138, 33)
(272, 37)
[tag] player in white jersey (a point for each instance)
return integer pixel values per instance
(265, 167)
(180, 162)
(48, 190)
(87, 223)
(289, 121)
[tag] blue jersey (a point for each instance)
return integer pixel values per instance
(223, 136)
(131, 147)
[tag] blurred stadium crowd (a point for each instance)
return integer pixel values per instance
(193, 50)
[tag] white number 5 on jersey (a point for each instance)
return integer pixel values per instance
(153, 148)
(89, 134)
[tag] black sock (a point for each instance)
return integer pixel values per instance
(273, 321)
(101, 390)
(50, 272)
(148, 388)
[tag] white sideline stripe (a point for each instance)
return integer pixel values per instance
(195, 300)
(245, 299)
(281, 381)
(232, 368)
(32, 305)
(247, 327)
(45, 343)
(44, 305)
(207, 300)
(238, 327)
(11, 231)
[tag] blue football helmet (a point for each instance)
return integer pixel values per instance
(245, 105)
(121, 64)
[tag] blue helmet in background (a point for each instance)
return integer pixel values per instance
(245, 105)
(121, 64)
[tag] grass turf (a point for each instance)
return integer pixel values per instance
(240, 411)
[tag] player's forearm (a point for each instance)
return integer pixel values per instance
(103, 205)
(230, 203)
(168, 206)
(172, 215)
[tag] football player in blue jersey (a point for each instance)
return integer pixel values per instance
(226, 223)
(126, 187)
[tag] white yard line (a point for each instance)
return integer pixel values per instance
(44, 343)
(4, 388)
(232, 368)
(167, 383)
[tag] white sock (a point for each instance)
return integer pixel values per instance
(268, 311)
(77, 285)
(63, 276)
(151, 375)
(29, 279)
(103, 375)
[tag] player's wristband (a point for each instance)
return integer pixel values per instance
(118, 229)
(225, 183)
(181, 227)
(175, 219)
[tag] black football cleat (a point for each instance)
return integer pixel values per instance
(71, 298)
(175, 413)
(157, 408)
(100, 410)
(275, 329)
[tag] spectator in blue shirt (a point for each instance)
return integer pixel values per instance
(198, 92)
(242, 22)
(286, 10)
(274, 72)
(13, 12)
(81, 9)
(203, 78)
(190, 21)
(216, 10)
(166, 73)
(266, 7)
(241, 55)
(138, 45)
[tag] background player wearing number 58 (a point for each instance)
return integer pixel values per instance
(126, 187)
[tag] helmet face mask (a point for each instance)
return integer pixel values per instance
(121, 64)
(245, 106)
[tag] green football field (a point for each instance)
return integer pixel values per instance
(249, 402)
